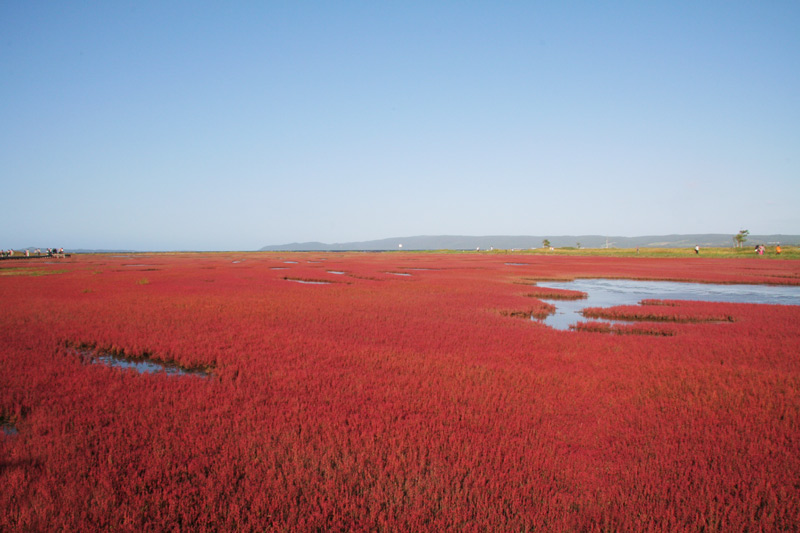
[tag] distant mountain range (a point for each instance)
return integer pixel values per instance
(465, 242)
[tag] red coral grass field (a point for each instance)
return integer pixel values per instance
(392, 392)
(667, 311)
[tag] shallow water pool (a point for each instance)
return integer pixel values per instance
(143, 366)
(612, 292)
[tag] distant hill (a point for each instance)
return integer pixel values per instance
(102, 251)
(464, 242)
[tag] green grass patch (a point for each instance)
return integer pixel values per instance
(29, 272)
(787, 252)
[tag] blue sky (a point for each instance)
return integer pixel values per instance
(208, 126)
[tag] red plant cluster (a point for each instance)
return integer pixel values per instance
(550, 293)
(662, 311)
(387, 402)
(539, 310)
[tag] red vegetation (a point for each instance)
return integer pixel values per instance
(538, 310)
(663, 311)
(390, 402)
(550, 293)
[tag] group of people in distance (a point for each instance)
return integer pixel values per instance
(761, 249)
(50, 252)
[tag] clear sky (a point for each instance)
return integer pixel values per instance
(174, 125)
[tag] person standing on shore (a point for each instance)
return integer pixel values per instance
(697, 249)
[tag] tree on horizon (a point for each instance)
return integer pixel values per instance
(741, 237)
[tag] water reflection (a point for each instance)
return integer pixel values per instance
(143, 366)
(612, 292)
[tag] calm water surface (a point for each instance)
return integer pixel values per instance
(611, 292)
(140, 365)
(144, 367)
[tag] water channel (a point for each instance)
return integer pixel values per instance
(612, 292)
